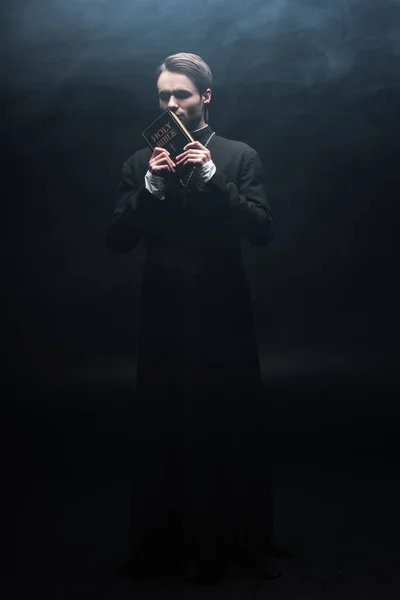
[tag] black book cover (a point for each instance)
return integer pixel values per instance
(167, 132)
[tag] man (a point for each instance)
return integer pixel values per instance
(200, 466)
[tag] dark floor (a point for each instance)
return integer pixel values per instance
(336, 482)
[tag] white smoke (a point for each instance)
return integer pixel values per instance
(47, 44)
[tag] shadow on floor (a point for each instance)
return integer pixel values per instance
(336, 489)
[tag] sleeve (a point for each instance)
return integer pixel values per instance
(125, 230)
(155, 185)
(204, 174)
(246, 203)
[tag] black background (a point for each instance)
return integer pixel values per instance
(315, 88)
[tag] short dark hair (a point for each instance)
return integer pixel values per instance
(191, 65)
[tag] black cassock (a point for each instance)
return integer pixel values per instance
(200, 463)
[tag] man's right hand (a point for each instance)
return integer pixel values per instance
(160, 163)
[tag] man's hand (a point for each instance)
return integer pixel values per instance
(160, 163)
(194, 154)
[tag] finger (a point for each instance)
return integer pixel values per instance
(188, 153)
(161, 170)
(162, 159)
(180, 155)
(157, 166)
(192, 158)
(180, 158)
(184, 160)
(189, 161)
(193, 145)
(159, 151)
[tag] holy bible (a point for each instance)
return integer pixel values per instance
(167, 132)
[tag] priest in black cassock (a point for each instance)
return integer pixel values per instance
(201, 488)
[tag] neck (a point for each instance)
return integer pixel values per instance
(198, 125)
(200, 128)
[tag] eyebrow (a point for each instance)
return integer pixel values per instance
(179, 91)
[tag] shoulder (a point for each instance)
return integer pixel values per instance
(139, 158)
(235, 146)
(134, 167)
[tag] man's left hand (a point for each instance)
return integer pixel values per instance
(194, 154)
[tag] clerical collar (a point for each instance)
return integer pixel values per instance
(201, 135)
(197, 130)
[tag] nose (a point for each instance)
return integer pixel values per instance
(172, 103)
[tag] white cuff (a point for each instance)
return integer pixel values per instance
(204, 174)
(155, 185)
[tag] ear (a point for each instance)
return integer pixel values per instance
(207, 96)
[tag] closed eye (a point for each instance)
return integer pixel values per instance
(180, 94)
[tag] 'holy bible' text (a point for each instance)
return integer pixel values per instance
(164, 135)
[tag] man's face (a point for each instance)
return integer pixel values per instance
(178, 93)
